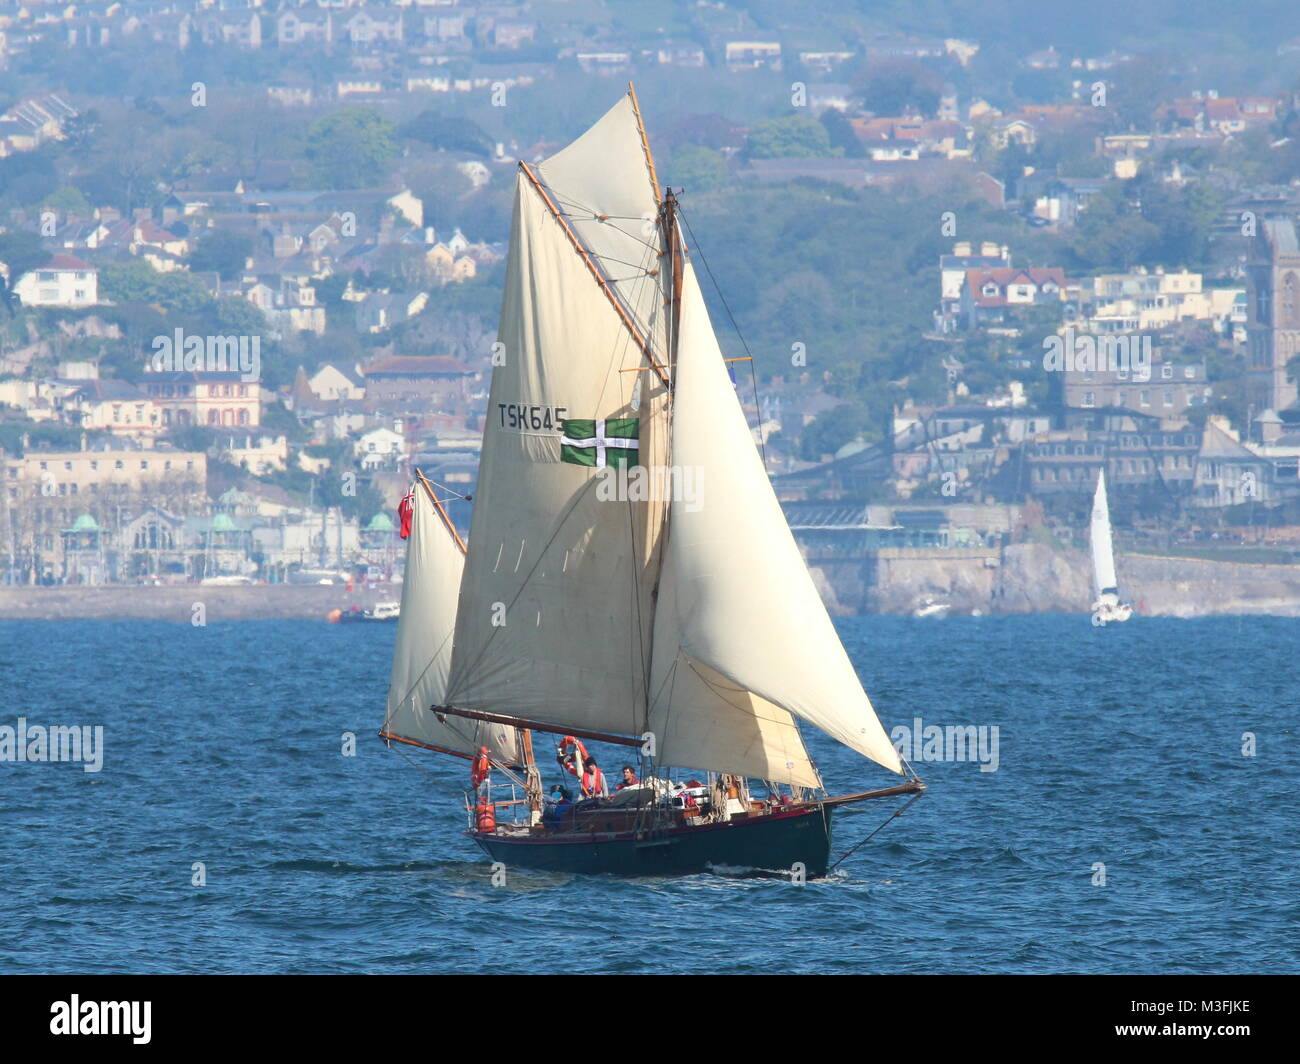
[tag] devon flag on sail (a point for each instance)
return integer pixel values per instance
(611, 442)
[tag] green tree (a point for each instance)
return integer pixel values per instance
(20, 253)
(68, 198)
(223, 251)
(831, 430)
(840, 131)
(894, 87)
(449, 133)
(698, 169)
(138, 282)
(351, 148)
(795, 136)
(1109, 234)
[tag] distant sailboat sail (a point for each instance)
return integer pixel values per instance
(422, 651)
(1103, 551)
(1107, 607)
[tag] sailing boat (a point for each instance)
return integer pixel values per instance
(1108, 607)
(630, 578)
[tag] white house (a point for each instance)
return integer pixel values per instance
(379, 447)
(334, 382)
(64, 281)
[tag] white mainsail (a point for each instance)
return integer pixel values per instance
(422, 650)
(1103, 551)
(556, 606)
(735, 593)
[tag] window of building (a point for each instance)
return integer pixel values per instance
(1166, 372)
(1144, 398)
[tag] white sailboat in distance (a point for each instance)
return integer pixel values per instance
(1108, 607)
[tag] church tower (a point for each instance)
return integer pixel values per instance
(1273, 328)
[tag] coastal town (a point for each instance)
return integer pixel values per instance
(223, 356)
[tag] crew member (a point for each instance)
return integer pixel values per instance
(557, 805)
(593, 780)
(629, 778)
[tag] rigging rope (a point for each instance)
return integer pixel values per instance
(753, 372)
(892, 816)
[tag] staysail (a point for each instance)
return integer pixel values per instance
(422, 650)
(1103, 551)
(556, 605)
(735, 593)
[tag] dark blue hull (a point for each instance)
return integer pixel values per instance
(779, 842)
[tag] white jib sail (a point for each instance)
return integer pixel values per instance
(735, 594)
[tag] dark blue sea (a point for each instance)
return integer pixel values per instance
(1119, 747)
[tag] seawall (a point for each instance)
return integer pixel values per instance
(179, 602)
(1035, 578)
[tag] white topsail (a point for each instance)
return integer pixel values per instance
(1103, 551)
(422, 649)
(735, 593)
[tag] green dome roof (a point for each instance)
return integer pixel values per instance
(223, 523)
(85, 523)
(381, 522)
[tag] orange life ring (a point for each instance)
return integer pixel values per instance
(573, 762)
(481, 766)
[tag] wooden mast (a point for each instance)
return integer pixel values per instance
(645, 144)
(673, 249)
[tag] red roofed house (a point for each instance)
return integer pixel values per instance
(64, 281)
(990, 293)
(1224, 115)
